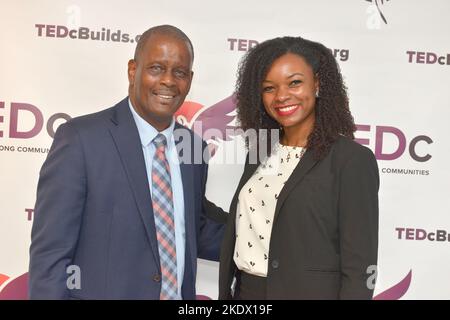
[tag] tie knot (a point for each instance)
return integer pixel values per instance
(160, 141)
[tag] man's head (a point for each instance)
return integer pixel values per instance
(160, 74)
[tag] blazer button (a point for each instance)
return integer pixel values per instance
(275, 264)
(156, 278)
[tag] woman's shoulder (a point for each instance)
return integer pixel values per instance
(351, 149)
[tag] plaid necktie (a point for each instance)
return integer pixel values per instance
(164, 220)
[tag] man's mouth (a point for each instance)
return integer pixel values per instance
(164, 96)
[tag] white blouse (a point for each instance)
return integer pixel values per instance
(256, 208)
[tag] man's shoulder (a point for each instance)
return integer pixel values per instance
(92, 118)
(95, 121)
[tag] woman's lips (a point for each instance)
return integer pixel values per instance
(287, 110)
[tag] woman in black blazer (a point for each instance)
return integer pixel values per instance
(303, 222)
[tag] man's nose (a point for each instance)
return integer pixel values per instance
(167, 79)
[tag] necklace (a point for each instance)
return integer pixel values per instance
(290, 153)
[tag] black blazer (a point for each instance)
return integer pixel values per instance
(325, 229)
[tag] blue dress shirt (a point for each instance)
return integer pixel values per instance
(147, 133)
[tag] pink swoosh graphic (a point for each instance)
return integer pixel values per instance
(397, 291)
(17, 289)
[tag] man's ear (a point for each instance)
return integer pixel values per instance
(131, 71)
(190, 81)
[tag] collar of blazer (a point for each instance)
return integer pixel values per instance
(304, 166)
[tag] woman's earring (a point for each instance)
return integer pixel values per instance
(317, 93)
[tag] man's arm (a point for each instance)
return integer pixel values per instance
(212, 211)
(59, 206)
(212, 224)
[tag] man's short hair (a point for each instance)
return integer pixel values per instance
(163, 30)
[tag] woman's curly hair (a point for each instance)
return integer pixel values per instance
(332, 114)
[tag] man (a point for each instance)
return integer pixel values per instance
(117, 216)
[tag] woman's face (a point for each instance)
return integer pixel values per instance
(289, 92)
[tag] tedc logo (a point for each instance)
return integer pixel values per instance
(34, 125)
(382, 132)
(215, 124)
(422, 57)
(404, 233)
(237, 44)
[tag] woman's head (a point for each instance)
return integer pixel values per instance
(289, 92)
(278, 81)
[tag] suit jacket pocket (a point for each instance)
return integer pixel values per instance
(72, 297)
(322, 269)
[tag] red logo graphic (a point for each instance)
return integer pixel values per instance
(14, 289)
(217, 117)
(3, 278)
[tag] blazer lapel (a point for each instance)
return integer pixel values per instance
(187, 177)
(126, 138)
(305, 164)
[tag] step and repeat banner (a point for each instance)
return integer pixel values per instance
(60, 59)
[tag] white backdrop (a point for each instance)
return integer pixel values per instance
(394, 55)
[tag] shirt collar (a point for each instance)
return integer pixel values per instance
(147, 132)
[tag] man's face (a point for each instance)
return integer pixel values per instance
(160, 79)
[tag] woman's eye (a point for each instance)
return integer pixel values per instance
(295, 82)
(267, 89)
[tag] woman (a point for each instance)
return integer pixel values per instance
(303, 222)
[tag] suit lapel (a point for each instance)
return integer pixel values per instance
(187, 178)
(305, 164)
(126, 138)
